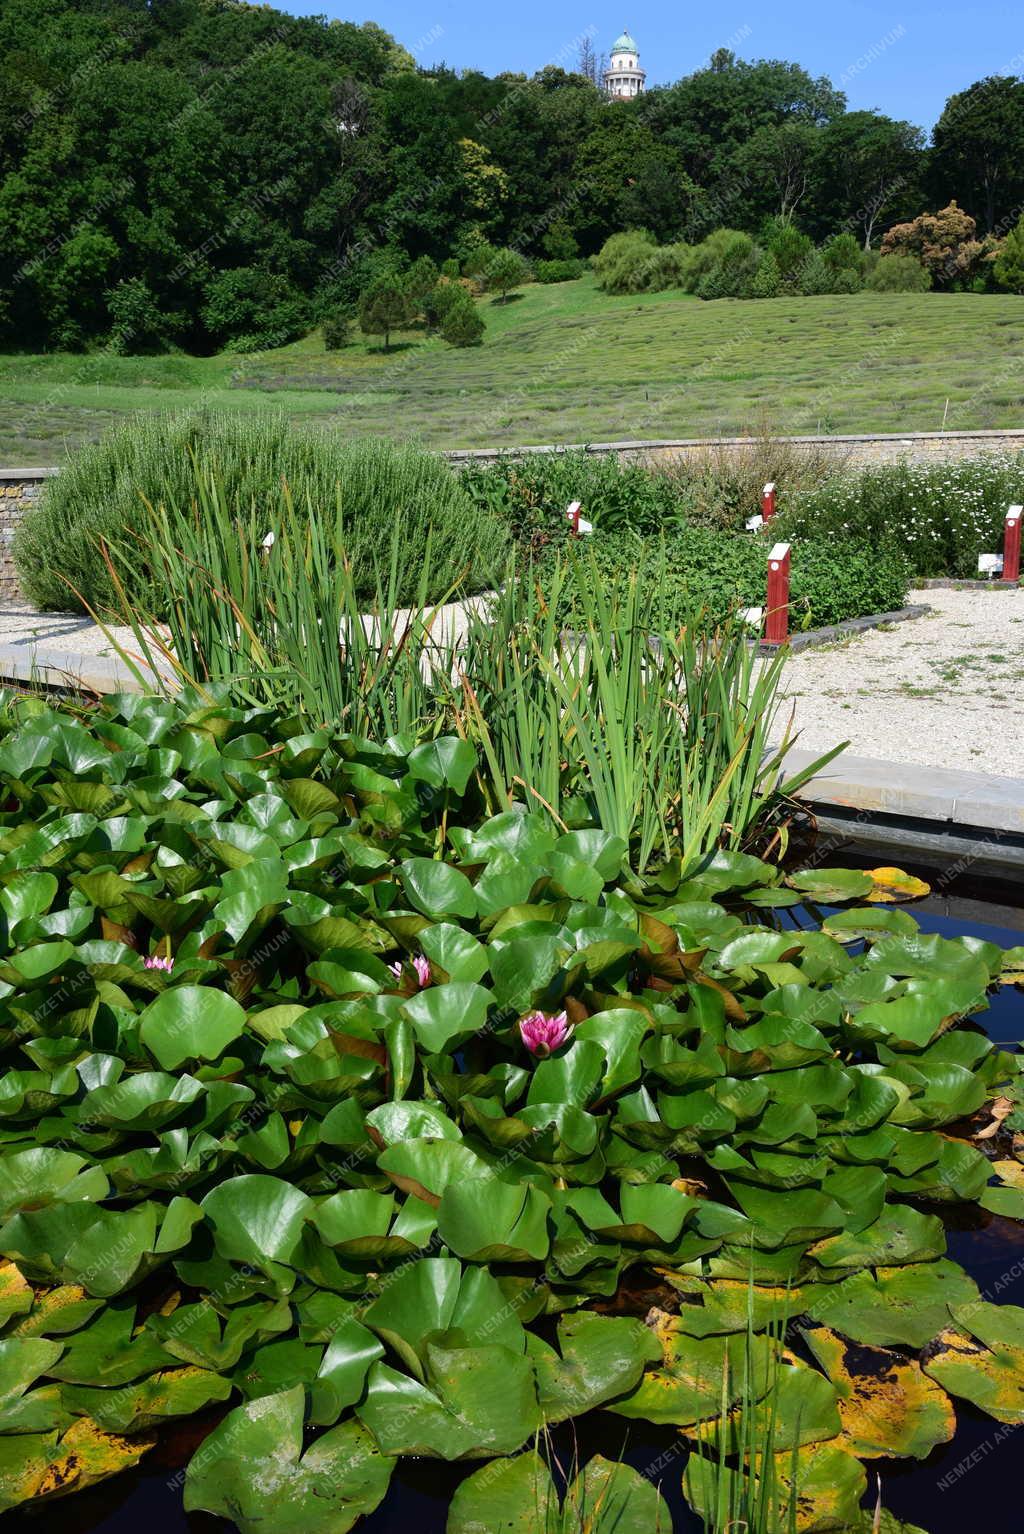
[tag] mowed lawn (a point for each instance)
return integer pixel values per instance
(566, 363)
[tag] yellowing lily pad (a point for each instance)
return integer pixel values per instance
(892, 884)
(37, 1465)
(887, 1405)
(15, 1293)
(982, 1358)
(828, 1481)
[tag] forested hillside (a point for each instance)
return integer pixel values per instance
(203, 173)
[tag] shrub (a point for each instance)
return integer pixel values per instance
(791, 248)
(734, 267)
(815, 276)
(421, 278)
(558, 270)
(531, 494)
(439, 300)
(451, 269)
(137, 323)
(1009, 264)
(99, 495)
(845, 260)
(945, 243)
(705, 257)
(830, 581)
(462, 323)
(621, 263)
(251, 309)
(767, 279)
(337, 329)
(898, 274)
(559, 242)
(940, 516)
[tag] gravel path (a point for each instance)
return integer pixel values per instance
(946, 690)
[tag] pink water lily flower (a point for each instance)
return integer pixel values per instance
(542, 1033)
(421, 969)
(156, 962)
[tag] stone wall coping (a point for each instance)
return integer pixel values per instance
(8, 476)
(641, 445)
(947, 795)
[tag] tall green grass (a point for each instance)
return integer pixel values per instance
(658, 732)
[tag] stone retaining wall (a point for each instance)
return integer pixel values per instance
(854, 450)
(18, 489)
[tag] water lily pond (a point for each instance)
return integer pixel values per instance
(447, 1172)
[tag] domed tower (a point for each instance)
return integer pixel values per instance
(624, 78)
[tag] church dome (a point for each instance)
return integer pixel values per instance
(624, 44)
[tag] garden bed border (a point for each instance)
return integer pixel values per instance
(833, 632)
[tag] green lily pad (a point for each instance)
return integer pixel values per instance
(252, 1471)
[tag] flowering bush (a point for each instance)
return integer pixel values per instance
(941, 516)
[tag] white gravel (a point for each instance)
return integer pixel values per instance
(945, 690)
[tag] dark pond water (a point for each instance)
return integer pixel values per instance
(975, 1478)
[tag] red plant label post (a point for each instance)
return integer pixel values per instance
(768, 501)
(776, 623)
(572, 511)
(1011, 544)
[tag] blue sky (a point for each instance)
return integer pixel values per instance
(903, 57)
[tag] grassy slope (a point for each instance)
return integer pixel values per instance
(566, 363)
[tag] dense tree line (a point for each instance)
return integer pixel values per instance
(208, 172)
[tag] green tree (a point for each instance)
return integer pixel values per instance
(791, 248)
(384, 307)
(978, 149)
(868, 167)
(1009, 264)
(463, 324)
(780, 157)
(504, 271)
(559, 242)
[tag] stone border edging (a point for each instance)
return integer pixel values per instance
(950, 583)
(836, 631)
(963, 818)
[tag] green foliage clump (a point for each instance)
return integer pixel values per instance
(249, 309)
(898, 274)
(1008, 267)
(621, 264)
(137, 323)
(385, 306)
(336, 328)
(505, 270)
(767, 281)
(462, 324)
(728, 267)
(559, 269)
(559, 242)
(531, 494)
(100, 494)
(696, 567)
(791, 248)
(940, 517)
